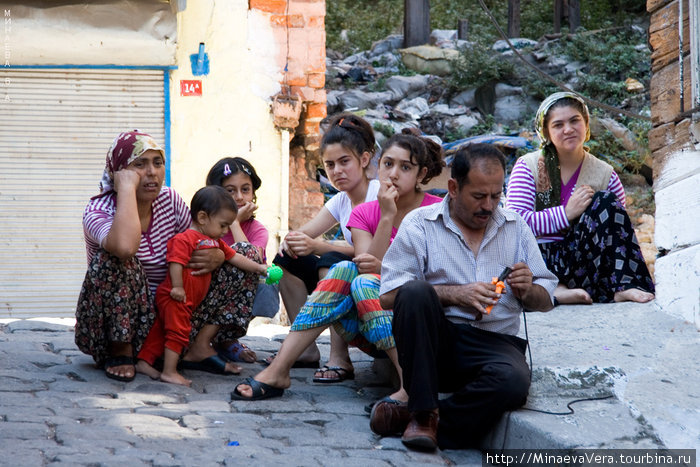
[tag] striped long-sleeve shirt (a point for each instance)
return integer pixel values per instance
(547, 223)
(170, 216)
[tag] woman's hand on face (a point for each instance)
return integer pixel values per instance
(579, 201)
(246, 211)
(206, 261)
(126, 179)
(298, 244)
(387, 197)
(367, 264)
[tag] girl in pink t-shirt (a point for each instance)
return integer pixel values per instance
(348, 297)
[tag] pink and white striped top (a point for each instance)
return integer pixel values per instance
(545, 224)
(170, 216)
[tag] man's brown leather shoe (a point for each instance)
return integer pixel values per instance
(421, 432)
(389, 417)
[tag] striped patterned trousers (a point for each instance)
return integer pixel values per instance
(349, 301)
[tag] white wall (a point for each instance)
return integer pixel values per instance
(232, 117)
(677, 274)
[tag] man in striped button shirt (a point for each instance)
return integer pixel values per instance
(437, 277)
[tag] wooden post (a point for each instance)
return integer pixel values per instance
(574, 15)
(463, 29)
(558, 10)
(416, 22)
(513, 18)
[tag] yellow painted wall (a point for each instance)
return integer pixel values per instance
(232, 117)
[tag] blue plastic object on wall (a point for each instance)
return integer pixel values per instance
(200, 62)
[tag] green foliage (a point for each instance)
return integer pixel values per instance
(455, 135)
(608, 148)
(384, 128)
(369, 20)
(484, 127)
(364, 20)
(477, 65)
(610, 59)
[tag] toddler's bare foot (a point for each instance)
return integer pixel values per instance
(233, 368)
(146, 369)
(564, 295)
(175, 378)
(633, 295)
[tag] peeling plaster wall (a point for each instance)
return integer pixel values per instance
(232, 117)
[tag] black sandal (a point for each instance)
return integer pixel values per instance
(341, 374)
(119, 360)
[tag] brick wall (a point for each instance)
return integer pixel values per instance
(299, 29)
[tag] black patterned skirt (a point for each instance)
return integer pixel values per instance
(599, 253)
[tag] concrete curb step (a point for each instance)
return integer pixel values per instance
(599, 420)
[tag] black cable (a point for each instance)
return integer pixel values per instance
(568, 405)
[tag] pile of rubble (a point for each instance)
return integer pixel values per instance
(393, 88)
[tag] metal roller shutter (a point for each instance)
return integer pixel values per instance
(54, 134)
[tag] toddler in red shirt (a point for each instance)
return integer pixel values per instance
(213, 211)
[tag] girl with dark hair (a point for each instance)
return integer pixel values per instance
(348, 297)
(241, 181)
(347, 148)
(575, 205)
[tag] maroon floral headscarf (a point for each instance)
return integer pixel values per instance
(126, 148)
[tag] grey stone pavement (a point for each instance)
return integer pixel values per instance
(56, 408)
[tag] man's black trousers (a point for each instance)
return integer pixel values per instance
(486, 372)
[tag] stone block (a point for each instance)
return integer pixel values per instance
(663, 35)
(316, 22)
(677, 276)
(311, 126)
(676, 161)
(661, 136)
(309, 7)
(25, 431)
(665, 92)
(316, 110)
(320, 95)
(653, 5)
(269, 6)
(306, 93)
(318, 80)
(296, 21)
(675, 228)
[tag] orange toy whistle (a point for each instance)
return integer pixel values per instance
(500, 285)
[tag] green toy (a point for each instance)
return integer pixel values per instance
(274, 274)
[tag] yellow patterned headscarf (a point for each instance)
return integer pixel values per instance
(547, 104)
(548, 183)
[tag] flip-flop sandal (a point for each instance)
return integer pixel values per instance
(297, 364)
(341, 374)
(119, 360)
(260, 391)
(213, 364)
(233, 352)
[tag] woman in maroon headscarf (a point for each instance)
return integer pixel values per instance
(126, 230)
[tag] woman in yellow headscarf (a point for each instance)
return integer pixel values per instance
(575, 205)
